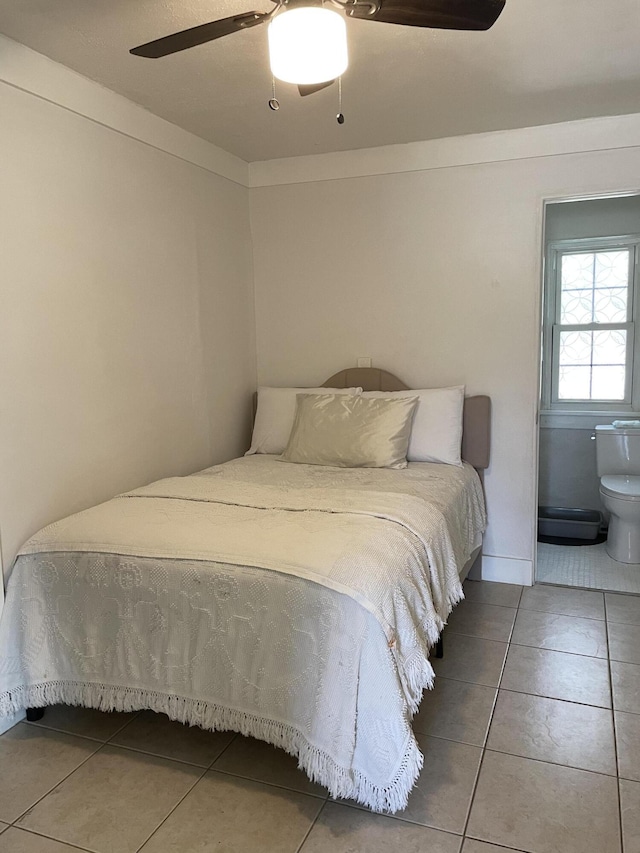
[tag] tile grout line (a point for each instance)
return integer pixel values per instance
(523, 693)
(313, 823)
(493, 844)
(171, 811)
(40, 725)
(271, 784)
(486, 737)
(205, 770)
(41, 834)
(529, 646)
(224, 749)
(124, 725)
(211, 767)
(561, 651)
(160, 755)
(571, 615)
(554, 763)
(615, 728)
(58, 783)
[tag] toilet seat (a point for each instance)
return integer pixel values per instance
(621, 486)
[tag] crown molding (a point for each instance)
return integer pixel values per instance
(574, 137)
(37, 75)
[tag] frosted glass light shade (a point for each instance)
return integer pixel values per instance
(308, 45)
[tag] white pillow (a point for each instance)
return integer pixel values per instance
(275, 413)
(436, 434)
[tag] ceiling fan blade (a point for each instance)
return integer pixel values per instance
(198, 35)
(311, 88)
(440, 14)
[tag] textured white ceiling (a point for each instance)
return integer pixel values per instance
(544, 61)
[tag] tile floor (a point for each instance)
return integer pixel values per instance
(587, 566)
(531, 740)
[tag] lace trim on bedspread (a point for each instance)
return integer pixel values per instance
(341, 782)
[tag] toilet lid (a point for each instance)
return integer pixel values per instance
(621, 486)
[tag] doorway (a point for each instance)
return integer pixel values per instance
(590, 352)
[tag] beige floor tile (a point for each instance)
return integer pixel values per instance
(254, 759)
(624, 642)
(489, 592)
(472, 846)
(21, 841)
(557, 675)
(550, 730)
(568, 602)
(623, 608)
(340, 829)
(630, 810)
(544, 808)
(625, 678)
(86, 722)
(560, 633)
(628, 736)
(443, 791)
(476, 619)
(157, 734)
(32, 761)
(471, 659)
(113, 802)
(456, 710)
(236, 815)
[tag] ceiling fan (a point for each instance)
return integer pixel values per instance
(313, 61)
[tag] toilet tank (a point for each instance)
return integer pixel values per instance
(617, 450)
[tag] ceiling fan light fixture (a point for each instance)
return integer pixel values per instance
(308, 44)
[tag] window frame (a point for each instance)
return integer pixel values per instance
(551, 328)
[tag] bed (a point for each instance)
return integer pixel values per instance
(294, 603)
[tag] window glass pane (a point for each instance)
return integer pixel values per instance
(574, 383)
(576, 306)
(577, 271)
(610, 347)
(575, 348)
(592, 365)
(594, 287)
(607, 383)
(612, 268)
(609, 305)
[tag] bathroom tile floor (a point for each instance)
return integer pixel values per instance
(586, 566)
(530, 740)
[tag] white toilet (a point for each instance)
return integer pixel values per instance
(618, 459)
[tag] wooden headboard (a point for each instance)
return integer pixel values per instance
(476, 426)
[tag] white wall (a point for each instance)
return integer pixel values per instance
(126, 321)
(431, 266)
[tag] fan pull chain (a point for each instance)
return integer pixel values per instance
(340, 116)
(274, 103)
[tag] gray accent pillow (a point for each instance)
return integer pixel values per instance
(350, 432)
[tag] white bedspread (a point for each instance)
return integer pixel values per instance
(293, 603)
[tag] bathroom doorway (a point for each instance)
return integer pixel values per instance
(590, 377)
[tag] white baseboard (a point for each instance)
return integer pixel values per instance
(504, 570)
(7, 723)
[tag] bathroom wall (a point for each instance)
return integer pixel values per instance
(568, 476)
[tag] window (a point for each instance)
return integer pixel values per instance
(589, 330)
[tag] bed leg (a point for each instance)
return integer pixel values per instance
(440, 648)
(34, 714)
